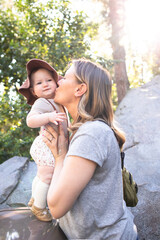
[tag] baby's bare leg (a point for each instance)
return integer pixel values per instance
(45, 173)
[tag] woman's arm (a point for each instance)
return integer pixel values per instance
(67, 183)
(69, 179)
(35, 119)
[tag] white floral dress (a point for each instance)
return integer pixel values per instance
(39, 151)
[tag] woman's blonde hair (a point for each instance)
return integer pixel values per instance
(95, 103)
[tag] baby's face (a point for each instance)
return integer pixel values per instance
(44, 85)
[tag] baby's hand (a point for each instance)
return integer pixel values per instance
(55, 117)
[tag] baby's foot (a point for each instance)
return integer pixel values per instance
(41, 214)
(31, 201)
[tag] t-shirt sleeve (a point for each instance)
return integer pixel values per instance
(89, 146)
(41, 105)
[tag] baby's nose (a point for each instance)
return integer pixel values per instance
(45, 83)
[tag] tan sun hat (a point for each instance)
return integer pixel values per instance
(30, 66)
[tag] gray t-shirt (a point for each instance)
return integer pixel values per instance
(99, 212)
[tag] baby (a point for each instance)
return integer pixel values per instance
(39, 89)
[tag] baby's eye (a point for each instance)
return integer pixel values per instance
(49, 80)
(38, 83)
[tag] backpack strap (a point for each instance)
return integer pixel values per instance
(122, 159)
(122, 153)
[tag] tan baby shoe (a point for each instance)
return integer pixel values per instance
(41, 214)
(31, 201)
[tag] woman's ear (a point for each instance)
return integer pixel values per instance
(80, 90)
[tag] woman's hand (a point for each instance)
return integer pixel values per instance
(56, 141)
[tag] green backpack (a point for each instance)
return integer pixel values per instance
(130, 188)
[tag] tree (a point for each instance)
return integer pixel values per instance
(113, 14)
(48, 30)
(116, 16)
(32, 29)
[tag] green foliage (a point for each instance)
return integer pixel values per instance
(48, 30)
(138, 71)
(15, 136)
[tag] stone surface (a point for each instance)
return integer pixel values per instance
(16, 176)
(147, 214)
(22, 193)
(139, 116)
(10, 172)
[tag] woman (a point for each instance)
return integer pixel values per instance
(86, 192)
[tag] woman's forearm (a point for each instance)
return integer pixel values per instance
(68, 181)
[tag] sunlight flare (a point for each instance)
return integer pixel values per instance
(142, 22)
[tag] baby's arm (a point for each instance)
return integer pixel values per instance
(35, 119)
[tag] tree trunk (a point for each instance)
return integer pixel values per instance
(116, 16)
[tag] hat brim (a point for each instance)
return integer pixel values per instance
(25, 91)
(37, 63)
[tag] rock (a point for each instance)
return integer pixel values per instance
(16, 190)
(139, 117)
(139, 111)
(147, 217)
(10, 172)
(22, 193)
